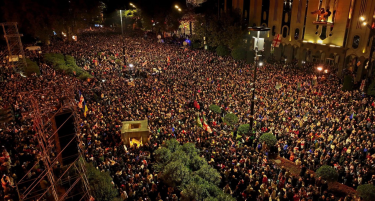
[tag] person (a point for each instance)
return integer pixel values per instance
(313, 124)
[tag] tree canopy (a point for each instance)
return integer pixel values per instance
(225, 30)
(181, 166)
(101, 186)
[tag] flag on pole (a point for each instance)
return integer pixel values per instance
(81, 99)
(199, 122)
(276, 40)
(351, 116)
(85, 111)
(205, 126)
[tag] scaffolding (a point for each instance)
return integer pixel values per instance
(70, 182)
(15, 56)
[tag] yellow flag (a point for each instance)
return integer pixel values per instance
(85, 112)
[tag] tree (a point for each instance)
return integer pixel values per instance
(243, 129)
(239, 53)
(185, 170)
(209, 174)
(66, 64)
(162, 155)
(230, 119)
(268, 138)
(348, 83)
(172, 145)
(175, 174)
(31, 68)
(101, 186)
(371, 89)
(226, 30)
(216, 109)
(327, 173)
(222, 50)
(366, 191)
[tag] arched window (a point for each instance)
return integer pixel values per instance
(285, 32)
(296, 34)
(355, 44)
(273, 31)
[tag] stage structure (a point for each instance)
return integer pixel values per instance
(15, 56)
(135, 132)
(62, 172)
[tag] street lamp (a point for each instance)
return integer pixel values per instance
(258, 46)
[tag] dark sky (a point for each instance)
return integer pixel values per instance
(149, 6)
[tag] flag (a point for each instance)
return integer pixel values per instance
(362, 88)
(95, 126)
(85, 112)
(205, 125)
(351, 116)
(199, 122)
(81, 99)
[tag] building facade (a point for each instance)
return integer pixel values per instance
(334, 32)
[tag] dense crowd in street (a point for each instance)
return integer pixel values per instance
(315, 122)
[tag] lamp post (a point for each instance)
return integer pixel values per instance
(319, 68)
(257, 47)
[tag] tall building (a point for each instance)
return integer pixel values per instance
(334, 32)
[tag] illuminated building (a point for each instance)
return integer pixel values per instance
(335, 32)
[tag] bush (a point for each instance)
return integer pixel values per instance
(216, 109)
(327, 173)
(239, 53)
(268, 138)
(366, 191)
(222, 50)
(31, 68)
(230, 119)
(348, 83)
(243, 129)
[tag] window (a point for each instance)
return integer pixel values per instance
(273, 31)
(355, 44)
(296, 34)
(286, 18)
(285, 32)
(135, 126)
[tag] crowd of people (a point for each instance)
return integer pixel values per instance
(314, 121)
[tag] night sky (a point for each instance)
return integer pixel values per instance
(149, 6)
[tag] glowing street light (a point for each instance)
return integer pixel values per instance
(364, 23)
(260, 63)
(320, 68)
(362, 18)
(325, 71)
(179, 9)
(176, 6)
